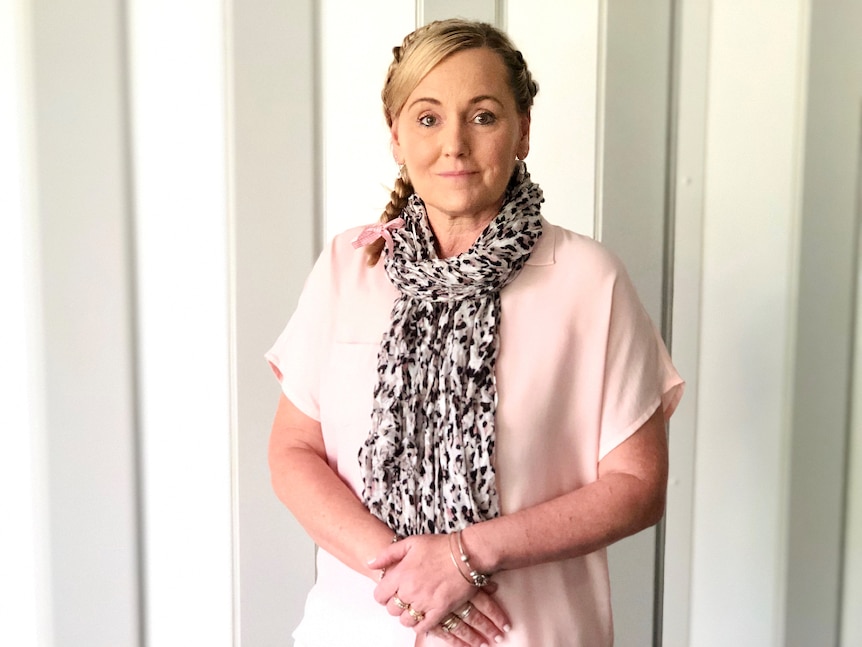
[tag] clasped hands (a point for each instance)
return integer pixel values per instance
(424, 588)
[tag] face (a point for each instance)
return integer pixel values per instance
(459, 133)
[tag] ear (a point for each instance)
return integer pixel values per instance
(394, 144)
(523, 148)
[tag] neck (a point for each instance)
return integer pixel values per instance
(455, 235)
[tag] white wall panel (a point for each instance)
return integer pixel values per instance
(356, 41)
(86, 381)
(692, 82)
(275, 229)
(178, 99)
(749, 242)
(631, 180)
(489, 11)
(560, 41)
(821, 400)
(24, 602)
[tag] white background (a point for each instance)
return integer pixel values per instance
(166, 170)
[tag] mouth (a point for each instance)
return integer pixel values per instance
(457, 174)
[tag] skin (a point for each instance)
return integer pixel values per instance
(459, 133)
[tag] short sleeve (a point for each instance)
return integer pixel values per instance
(297, 356)
(639, 375)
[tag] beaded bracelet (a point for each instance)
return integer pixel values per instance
(475, 578)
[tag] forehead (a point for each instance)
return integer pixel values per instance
(471, 72)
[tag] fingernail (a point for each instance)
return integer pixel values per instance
(507, 628)
(498, 639)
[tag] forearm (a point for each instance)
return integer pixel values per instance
(327, 508)
(628, 496)
(571, 525)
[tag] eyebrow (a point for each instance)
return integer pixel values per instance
(436, 102)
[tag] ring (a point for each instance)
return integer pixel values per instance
(418, 616)
(465, 612)
(451, 623)
(399, 603)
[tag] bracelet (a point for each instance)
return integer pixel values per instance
(455, 562)
(475, 578)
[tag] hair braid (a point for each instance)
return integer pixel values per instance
(397, 201)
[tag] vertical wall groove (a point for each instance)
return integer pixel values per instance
(849, 496)
(139, 545)
(666, 322)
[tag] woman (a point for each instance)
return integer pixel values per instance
(474, 401)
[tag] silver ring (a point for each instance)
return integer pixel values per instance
(399, 603)
(451, 623)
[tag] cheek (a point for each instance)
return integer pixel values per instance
(506, 148)
(504, 155)
(419, 151)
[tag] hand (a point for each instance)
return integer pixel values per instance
(423, 587)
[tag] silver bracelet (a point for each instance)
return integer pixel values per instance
(476, 578)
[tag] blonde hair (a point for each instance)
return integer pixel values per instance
(417, 55)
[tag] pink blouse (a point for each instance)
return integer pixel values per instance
(580, 368)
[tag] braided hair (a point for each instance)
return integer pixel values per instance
(418, 54)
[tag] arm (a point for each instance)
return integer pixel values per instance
(338, 521)
(325, 506)
(627, 497)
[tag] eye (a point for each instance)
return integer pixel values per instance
(484, 119)
(428, 121)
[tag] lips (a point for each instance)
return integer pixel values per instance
(457, 174)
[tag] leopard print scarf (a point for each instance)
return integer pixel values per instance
(427, 463)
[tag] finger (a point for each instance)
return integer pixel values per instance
(479, 622)
(411, 617)
(389, 556)
(396, 606)
(384, 591)
(386, 587)
(488, 607)
(461, 630)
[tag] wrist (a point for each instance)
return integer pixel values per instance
(380, 543)
(464, 563)
(480, 551)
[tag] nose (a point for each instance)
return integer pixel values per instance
(456, 139)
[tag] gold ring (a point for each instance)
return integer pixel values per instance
(465, 612)
(399, 603)
(451, 623)
(418, 616)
